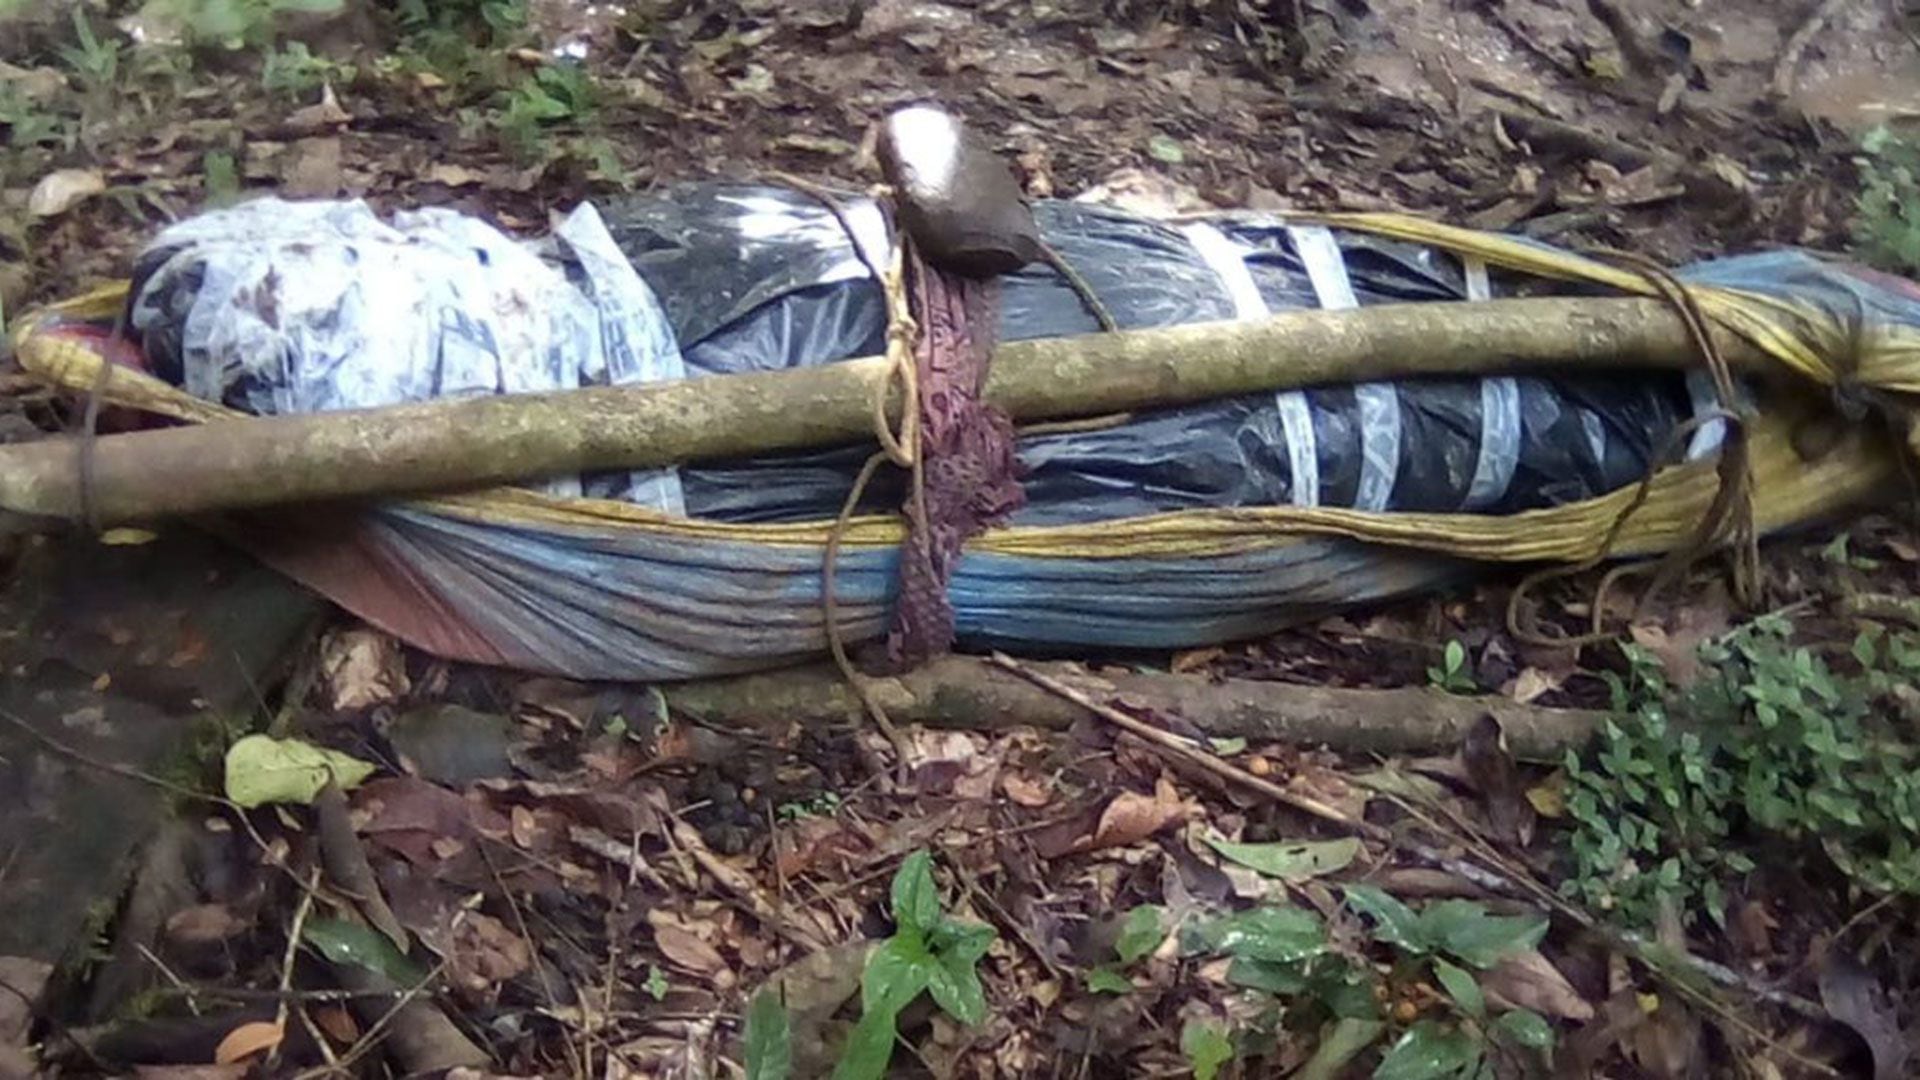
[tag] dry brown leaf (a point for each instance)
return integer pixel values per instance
(1669, 1045)
(1751, 928)
(525, 827)
(1531, 683)
(453, 175)
(1676, 644)
(685, 949)
(312, 169)
(1132, 817)
(1025, 790)
(361, 668)
(204, 924)
(62, 190)
(1529, 980)
(323, 117)
(338, 1023)
(247, 1040)
(1192, 660)
(485, 953)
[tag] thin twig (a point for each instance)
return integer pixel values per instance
(125, 771)
(186, 990)
(1505, 882)
(533, 952)
(367, 1040)
(298, 926)
(319, 1037)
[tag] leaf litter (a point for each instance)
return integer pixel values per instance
(669, 899)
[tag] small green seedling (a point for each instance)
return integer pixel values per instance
(1452, 674)
(928, 952)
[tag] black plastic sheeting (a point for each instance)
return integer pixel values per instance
(754, 278)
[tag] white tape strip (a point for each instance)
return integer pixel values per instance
(1228, 262)
(1379, 403)
(1499, 454)
(1708, 437)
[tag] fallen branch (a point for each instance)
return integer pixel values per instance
(1499, 879)
(453, 445)
(963, 691)
(1786, 71)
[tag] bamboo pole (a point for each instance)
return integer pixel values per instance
(453, 445)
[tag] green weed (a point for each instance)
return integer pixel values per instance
(1452, 673)
(928, 953)
(232, 23)
(1887, 230)
(1774, 747)
(823, 804)
(95, 62)
(295, 72)
(30, 124)
(1336, 1001)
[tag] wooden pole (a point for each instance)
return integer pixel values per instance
(453, 445)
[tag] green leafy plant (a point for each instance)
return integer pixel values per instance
(1888, 227)
(1207, 1047)
(1774, 747)
(295, 72)
(232, 23)
(551, 95)
(769, 1038)
(822, 804)
(1285, 952)
(1452, 673)
(31, 124)
(1141, 932)
(928, 952)
(95, 62)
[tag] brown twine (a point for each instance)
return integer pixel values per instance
(89, 434)
(1727, 520)
(901, 448)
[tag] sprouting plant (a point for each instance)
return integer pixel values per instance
(928, 952)
(1452, 673)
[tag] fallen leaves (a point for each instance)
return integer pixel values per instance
(1528, 980)
(62, 190)
(248, 1040)
(682, 943)
(261, 769)
(361, 668)
(1132, 817)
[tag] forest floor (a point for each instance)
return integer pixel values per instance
(569, 879)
